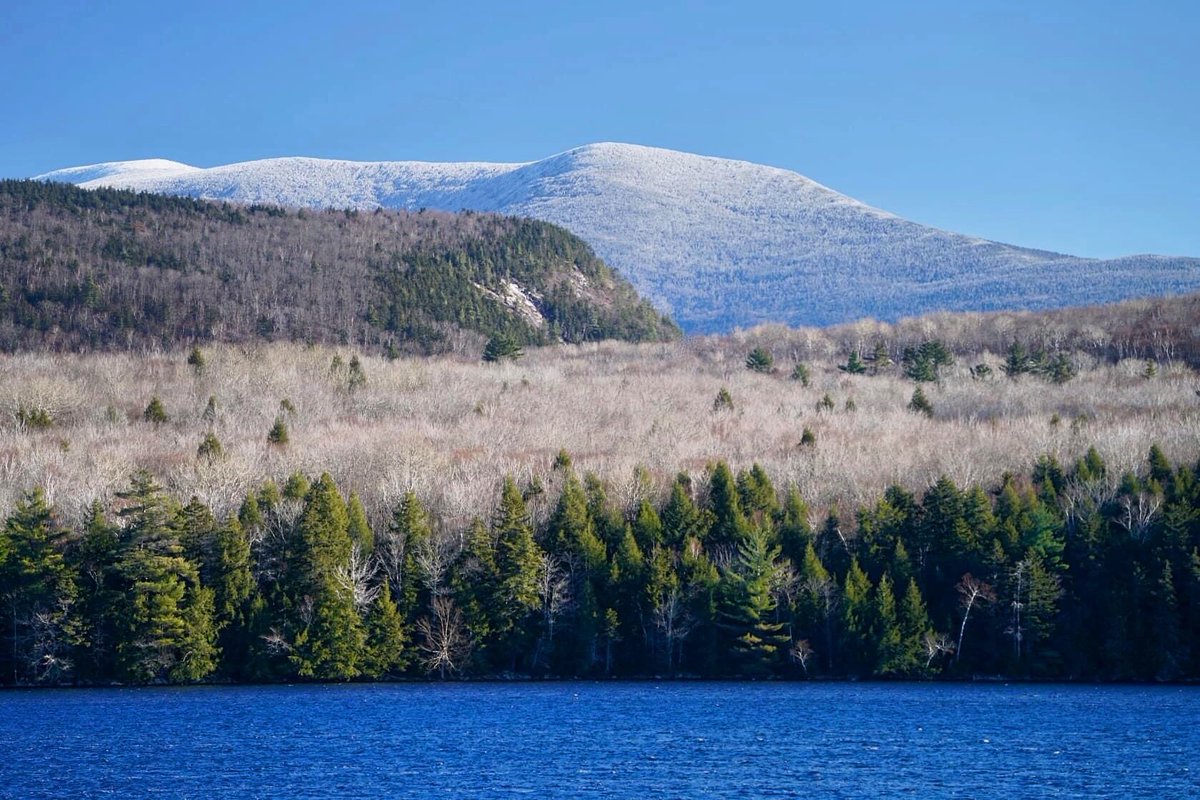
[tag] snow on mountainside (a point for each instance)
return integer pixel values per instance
(716, 243)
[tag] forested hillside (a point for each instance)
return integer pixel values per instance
(720, 244)
(1066, 571)
(107, 269)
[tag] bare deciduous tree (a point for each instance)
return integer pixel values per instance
(444, 642)
(972, 592)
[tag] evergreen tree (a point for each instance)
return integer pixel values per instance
(647, 527)
(890, 656)
(800, 372)
(914, 628)
(880, 358)
(856, 620)
(358, 527)
(729, 523)
(330, 639)
(197, 361)
(920, 403)
(166, 629)
(232, 582)
(410, 530)
(682, 519)
(386, 637)
(94, 560)
(747, 608)
(501, 346)
(760, 360)
(518, 560)
(854, 364)
(795, 531)
(40, 589)
(155, 413)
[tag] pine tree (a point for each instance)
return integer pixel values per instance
(746, 610)
(724, 401)
(1018, 361)
(682, 519)
(920, 403)
(795, 530)
(571, 534)
(757, 494)
(94, 560)
(411, 531)
(210, 448)
(233, 586)
(330, 639)
(647, 526)
(501, 346)
(914, 628)
(888, 641)
(278, 435)
(517, 564)
(358, 527)
(40, 589)
(856, 620)
(155, 413)
(880, 358)
(356, 376)
(386, 637)
(854, 364)
(166, 629)
(197, 361)
(729, 523)
(760, 360)
(800, 372)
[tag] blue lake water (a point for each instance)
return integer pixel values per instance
(602, 740)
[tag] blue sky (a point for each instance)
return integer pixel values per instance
(1062, 124)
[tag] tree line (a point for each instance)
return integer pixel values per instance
(1065, 572)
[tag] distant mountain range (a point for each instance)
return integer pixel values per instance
(716, 243)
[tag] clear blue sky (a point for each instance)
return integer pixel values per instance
(1072, 125)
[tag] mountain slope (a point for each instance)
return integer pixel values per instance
(716, 243)
(107, 268)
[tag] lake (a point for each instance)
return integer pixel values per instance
(594, 740)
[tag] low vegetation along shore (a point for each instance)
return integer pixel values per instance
(769, 504)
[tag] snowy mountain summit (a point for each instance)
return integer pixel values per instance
(716, 243)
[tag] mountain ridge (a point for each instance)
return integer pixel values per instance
(717, 243)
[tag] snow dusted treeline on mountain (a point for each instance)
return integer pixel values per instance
(716, 243)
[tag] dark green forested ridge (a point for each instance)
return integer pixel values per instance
(104, 269)
(1066, 572)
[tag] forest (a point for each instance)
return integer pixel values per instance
(1065, 571)
(241, 443)
(107, 269)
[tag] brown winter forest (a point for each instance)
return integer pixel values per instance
(450, 427)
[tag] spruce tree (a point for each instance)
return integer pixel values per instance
(386, 637)
(358, 527)
(517, 565)
(760, 360)
(914, 628)
(856, 620)
(40, 589)
(682, 519)
(887, 639)
(166, 630)
(155, 413)
(500, 347)
(330, 638)
(854, 364)
(729, 523)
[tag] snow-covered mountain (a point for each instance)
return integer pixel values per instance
(716, 243)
